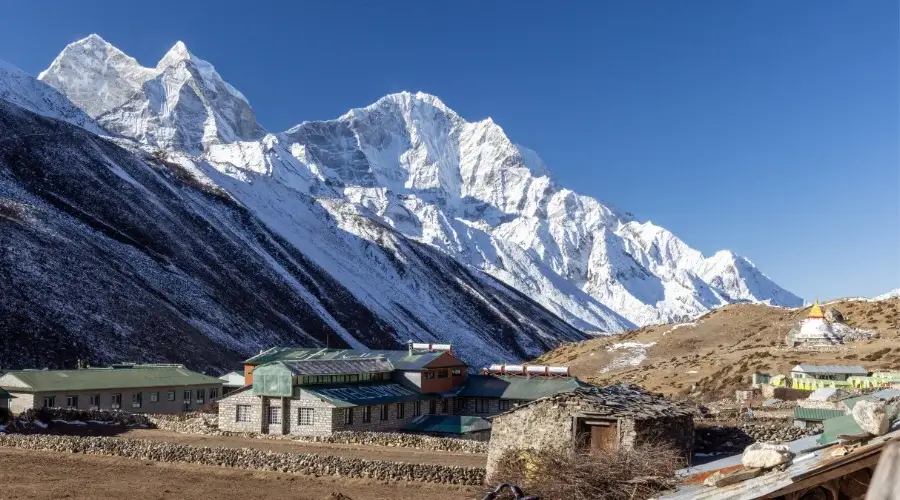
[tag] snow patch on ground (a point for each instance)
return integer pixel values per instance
(627, 354)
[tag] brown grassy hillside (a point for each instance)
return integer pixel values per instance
(721, 349)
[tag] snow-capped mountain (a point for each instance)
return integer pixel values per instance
(411, 165)
(180, 104)
(112, 251)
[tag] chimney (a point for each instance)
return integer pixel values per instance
(410, 346)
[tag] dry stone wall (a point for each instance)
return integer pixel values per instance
(400, 441)
(247, 458)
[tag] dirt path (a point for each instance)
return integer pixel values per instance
(47, 475)
(408, 455)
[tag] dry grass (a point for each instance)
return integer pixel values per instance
(720, 351)
(597, 475)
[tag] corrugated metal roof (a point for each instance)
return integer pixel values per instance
(133, 376)
(345, 395)
(777, 482)
(337, 366)
(842, 369)
(400, 359)
(816, 414)
(617, 401)
(447, 424)
(513, 387)
(887, 394)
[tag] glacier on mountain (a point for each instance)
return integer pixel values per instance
(410, 164)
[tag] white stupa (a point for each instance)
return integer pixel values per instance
(814, 330)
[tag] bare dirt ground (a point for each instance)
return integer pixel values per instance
(45, 475)
(391, 454)
(721, 349)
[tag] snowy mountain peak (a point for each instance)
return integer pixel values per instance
(182, 103)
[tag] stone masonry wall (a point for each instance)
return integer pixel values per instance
(228, 413)
(538, 426)
(676, 431)
(247, 458)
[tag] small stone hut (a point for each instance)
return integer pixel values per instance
(592, 418)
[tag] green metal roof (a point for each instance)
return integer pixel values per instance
(851, 402)
(115, 377)
(843, 425)
(346, 395)
(816, 414)
(513, 387)
(401, 359)
(447, 424)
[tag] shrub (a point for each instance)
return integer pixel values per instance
(637, 473)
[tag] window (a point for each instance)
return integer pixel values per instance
(187, 398)
(503, 404)
(348, 416)
(367, 414)
(116, 401)
(136, 400)
(154, 397)
(429, 375)
(442, 373)
(242, 413)
(72, 402)
(213, 394)
(401, 410)
(306, 416)
(171, 395)
(456, 372)
(95, 401)
(432, 407)
(461, 404)
(273, 415)
(50, 402)
(445, 406)
(200, 395)
(384, 412)
(417, 408)
(481, 405)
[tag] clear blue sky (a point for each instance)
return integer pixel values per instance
(766, 127)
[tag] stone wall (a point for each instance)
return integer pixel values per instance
(247, 458)
(228, 413)
(537, 426)
(401, 441)
(677, 432)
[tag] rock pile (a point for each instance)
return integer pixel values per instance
(400, 441)
(26, 420)
(247, 458)
(187, 423)
(735, 437)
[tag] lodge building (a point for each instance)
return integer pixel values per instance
(319, 391)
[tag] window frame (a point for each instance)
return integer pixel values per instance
(137, 399)
(432, 407)
(213, 393)
(348, 416)
(273, 415)
(72, 401)
(385, 411)
(94, 401)
(172, 396)
(51, 400)
(306, 416)
(154, 397)
(503, 405)
(401, 411)
(481, 405)
(456, 372)
(242, 413)
(428, 375)
(367, 414)
(201, 396)
(116, 401)
(443, 373)
(417, 408)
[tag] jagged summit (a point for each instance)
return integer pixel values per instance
(182, 103)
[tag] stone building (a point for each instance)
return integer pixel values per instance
(136, 388)
(320, 391)
(612, 417)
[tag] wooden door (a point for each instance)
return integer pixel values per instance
(605, 437)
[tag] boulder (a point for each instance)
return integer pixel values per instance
(765, 455)
(832, 315)
(871, 416)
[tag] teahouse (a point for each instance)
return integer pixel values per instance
(592, 418)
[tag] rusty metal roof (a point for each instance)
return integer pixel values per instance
(775, 483)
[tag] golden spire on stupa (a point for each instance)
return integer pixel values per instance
(816, 311)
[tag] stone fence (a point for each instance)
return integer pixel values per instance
(201, 423)
(26, 420)
(247, 458)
